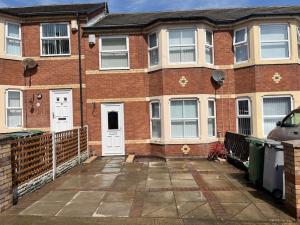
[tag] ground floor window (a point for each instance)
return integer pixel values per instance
(244, 116)
(14, 109)
(184, 118)
(155, 120)
(274, 110)
(211, 118)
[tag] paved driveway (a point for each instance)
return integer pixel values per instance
(149, 191)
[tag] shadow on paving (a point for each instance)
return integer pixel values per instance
(148, 191)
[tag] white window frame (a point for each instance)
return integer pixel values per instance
(241, 43)
(13, 38)
(193, 45)
(263, 113)
(209, 46)
(7, 107)
(109, 51)
(157, 119)
(153, 48)
(212, 117)
(54, 38)
(198, 118)
(275, 41)
(238, 116)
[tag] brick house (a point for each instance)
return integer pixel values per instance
(147, 84)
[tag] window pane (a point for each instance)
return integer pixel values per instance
(244, 126)
(190, 109)
(113, 120)
(275, 50)
(188, 54)
(152, 40)
(48, 30)
(153, 57)
(109, 44)
(176, 109)
(61, 30)
(211, 127)
(240, 36)
(277, 106)
(209, 38)
(241, 53)
(175, 54)
(209, 55)
(13, 30)
(114, 60)
(14, 118)
(191, 129)
(174, 37)
(243, 107)
(156, 129)
(13, 47)
(14, 99)
(211, 108)
(188, 37)
(270, 124)
(274, 32)
(62, 47)
(155, 109)
(177, 129)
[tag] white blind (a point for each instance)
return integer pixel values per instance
(155, 120)
(211, 119)
(13, 109)
(13, 39)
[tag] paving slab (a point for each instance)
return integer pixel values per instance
(158, 184)
(118, 197)
(164, 196)
(199, 210)
(78, 209)
(184, 183)
(189, 196)
(113, 209)
(159, 209)
(43, 208)
(58, 196)
(231, 197)
(88, 196)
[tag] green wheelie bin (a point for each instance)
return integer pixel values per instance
(256, 160)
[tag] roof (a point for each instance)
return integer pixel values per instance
(46, 10)
(216, 16)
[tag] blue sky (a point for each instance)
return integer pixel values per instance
(156, 5)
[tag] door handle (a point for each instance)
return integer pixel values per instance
(53, 115)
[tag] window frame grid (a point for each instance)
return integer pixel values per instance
(275, 41)
(195, 45)
(185, 119)
(241, 43)
(12, 38)
(150, 49)
(110, 51)
(55, 38)
(16, 108)
(273, 116)
(212, 117)
(155, 119)
(206, 45)
(240, 116)
(298, 41)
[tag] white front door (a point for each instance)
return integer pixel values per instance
(61, 110)
(112, 120)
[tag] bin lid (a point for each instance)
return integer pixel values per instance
(256, 141)
(19, 134)
(273, 144)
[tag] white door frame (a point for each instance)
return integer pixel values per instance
(51, 106)
(103, 130)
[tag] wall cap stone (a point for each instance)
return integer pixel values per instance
(293, 143)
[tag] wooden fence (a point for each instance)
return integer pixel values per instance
(36, 155)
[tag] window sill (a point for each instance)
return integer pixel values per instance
(11, 57)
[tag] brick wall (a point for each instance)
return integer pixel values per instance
(223, 50)
(292, 176)
(6, 196)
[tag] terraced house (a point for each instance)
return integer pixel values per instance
(164, 83)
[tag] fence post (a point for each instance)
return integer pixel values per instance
(78, 135)
(87, 141)
(53, 156)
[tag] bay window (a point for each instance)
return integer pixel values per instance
(274, 110)
(184, 118)
(244, 116)
(211, 118)
(155, 120)
(209, 47)
(13, 39)
(55, 39)
(182, 46)
(240, 43)
(153, 49)
(14, 109)
(274, 41)
(114, 52)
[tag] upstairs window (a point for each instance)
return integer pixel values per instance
(13, 39)
(274, 41)
(240, 43)
(114, 53)
(298, 39)
(155, 120)
(182, 46)
(55, 39)
(244, 116)
(153, 49)
(209, 47)
(14, 109)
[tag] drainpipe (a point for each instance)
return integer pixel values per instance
(80, 69)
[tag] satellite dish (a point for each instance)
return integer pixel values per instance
(218, 77)
(29, 64)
